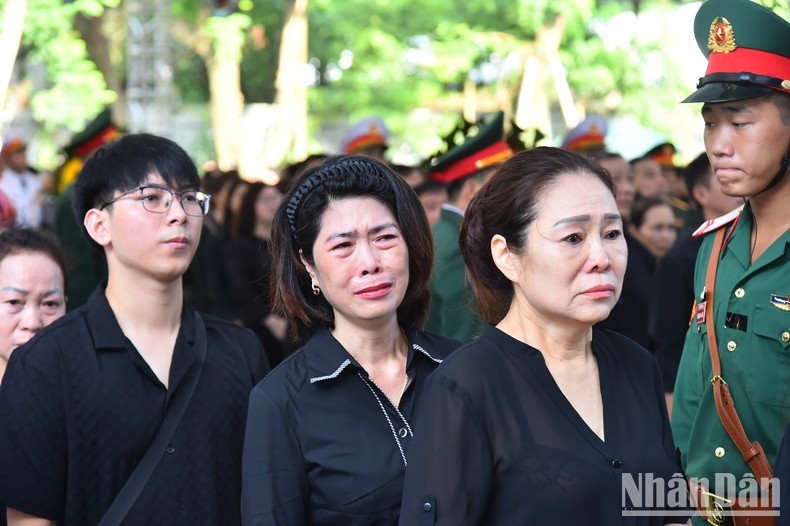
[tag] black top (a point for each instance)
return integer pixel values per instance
(248, 263)
(499, 444)
(673, 301)
(631, 313)
(324, 444)
(79, 407)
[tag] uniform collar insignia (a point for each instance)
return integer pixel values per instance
(714, 224)
(721, 38)
(780, 302)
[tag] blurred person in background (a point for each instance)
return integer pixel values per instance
(623, 177)
(649, 178)
(433, 195)
(21, 183)
(653, 225)
(248, 264)
(463, 170)
(369, 137)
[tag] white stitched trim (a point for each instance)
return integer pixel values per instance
(333, 375)
(426, 353)
(389, 421)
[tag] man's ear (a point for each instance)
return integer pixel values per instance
(700, 194)
(97, 224)
(503, 258)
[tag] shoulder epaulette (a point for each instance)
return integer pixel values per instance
(714, 224)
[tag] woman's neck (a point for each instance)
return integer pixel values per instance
(372, 345)
(557, 342)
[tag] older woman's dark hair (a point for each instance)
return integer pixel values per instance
(508, 205)
(642, 206)
(24, 240)
(298, 221)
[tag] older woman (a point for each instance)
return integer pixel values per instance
(32, 276)
(543, 419)
(329, 430)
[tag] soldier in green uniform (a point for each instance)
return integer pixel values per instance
(746, 108)
(464, 169)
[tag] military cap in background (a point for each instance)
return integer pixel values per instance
(664, 155)
(590, 134)
(485, 149)
(748, 50)
(12, 145)
(367, 133)
(99, 131)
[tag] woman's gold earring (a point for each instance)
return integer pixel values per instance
(316, 290)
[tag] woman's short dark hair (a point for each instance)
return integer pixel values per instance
(508, 205)
(125, 164)
(642, 206)
(298, 221)
(25, 240)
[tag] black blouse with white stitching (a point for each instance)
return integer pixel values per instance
(324, 445)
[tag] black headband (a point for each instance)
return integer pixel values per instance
(348, 166)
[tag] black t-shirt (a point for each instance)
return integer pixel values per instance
(79, 407)
(499, 444)
(324, 444)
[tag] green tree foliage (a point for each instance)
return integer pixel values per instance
(74, 89)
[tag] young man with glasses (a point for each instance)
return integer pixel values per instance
(82, 402)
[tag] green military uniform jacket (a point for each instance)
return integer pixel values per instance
(754, 347)
(452, 300)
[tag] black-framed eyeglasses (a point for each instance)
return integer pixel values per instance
(157, 199)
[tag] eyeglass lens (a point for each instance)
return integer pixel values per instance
(158, 200)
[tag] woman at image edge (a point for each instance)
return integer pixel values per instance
(539, 420)
(329, 430)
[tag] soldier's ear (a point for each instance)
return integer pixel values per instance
(97, 225)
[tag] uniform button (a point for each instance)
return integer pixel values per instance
(427, 506)
(731, 346)
(616, 464)
(719, 452)
(170, 450)
(739, 293)
(786, 336)
(403, 432)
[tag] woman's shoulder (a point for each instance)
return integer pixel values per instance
(288, 379)
(470, 360)
(434, 345)
(621, 348)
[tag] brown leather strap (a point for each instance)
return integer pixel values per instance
(752, 452)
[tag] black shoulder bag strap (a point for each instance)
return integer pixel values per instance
(142, 472)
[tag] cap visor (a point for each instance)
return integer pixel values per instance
(726, 91)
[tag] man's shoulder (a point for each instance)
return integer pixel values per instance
(228, 329)
(65, 336)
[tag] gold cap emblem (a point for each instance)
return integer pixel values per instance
(721, 38)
